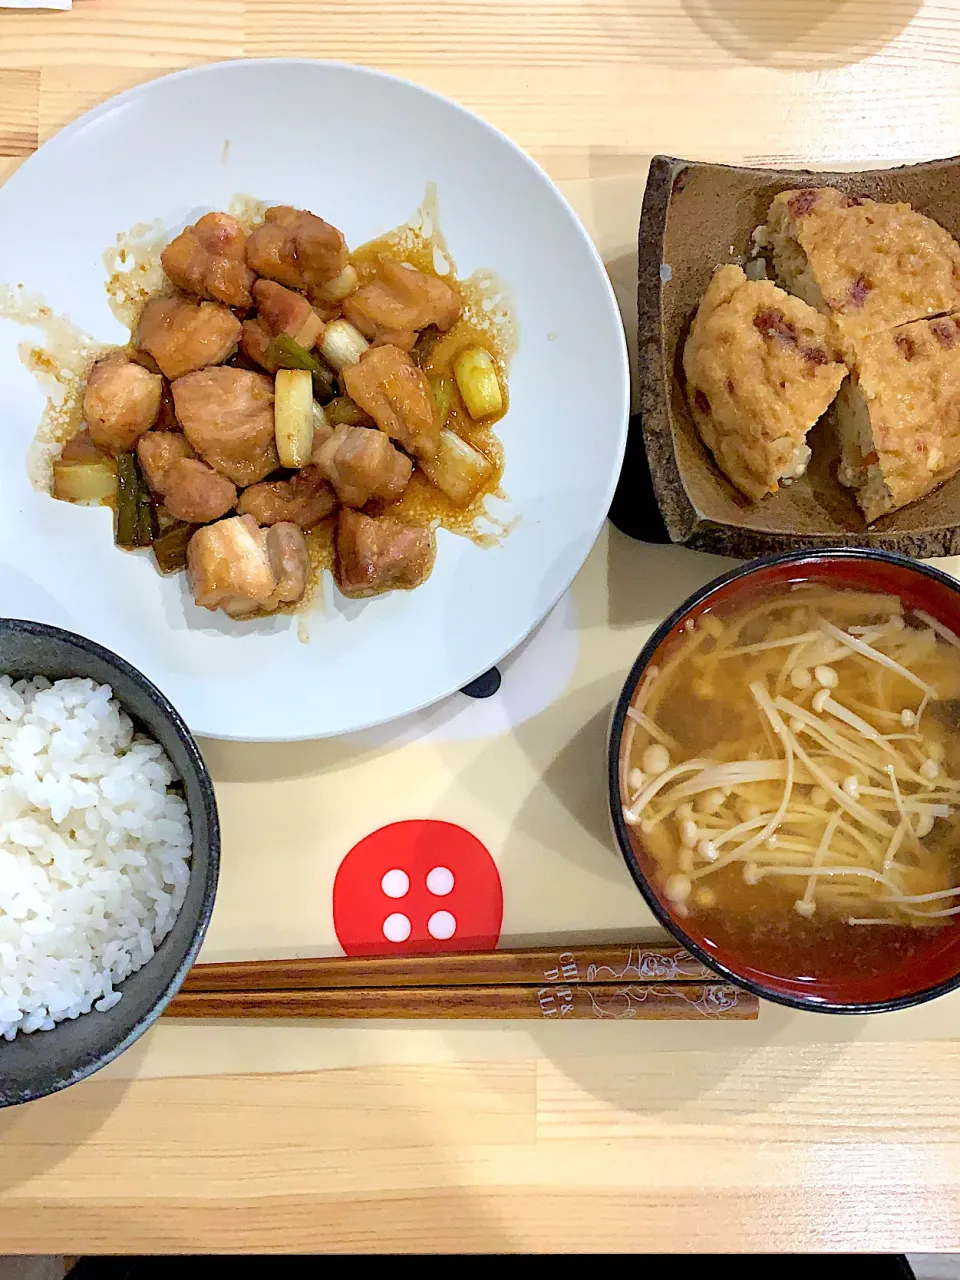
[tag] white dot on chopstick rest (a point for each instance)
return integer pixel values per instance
(441, 925)
(396, 927)
(395, 883)
(440, 881)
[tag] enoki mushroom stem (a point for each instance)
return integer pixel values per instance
(819, 786)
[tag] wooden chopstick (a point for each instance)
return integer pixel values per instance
(611, 962)
(611, 1001)
(612, 981)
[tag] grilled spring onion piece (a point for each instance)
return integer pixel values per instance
(321, 422)
(339, 287)
(428, 339)
(325, 385)
(126, 530)
(285, 352)
(293, 417)
(342, 344)
(457, 468)
(171, 547)
(136, 522)
(147, 522)
(85, 481)
(476, 376)
(343, 410)
(441, 384)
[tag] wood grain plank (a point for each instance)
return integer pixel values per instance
(573, 33)
(68, 91)
(744, 1095)
(848, 120)
(9, 165)
(837, 1145)
(578, 1154)
(361, 1110)
(580, 1219)
(142, 33)
(19, 112)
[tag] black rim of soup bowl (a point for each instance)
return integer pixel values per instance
(202, 807)
(811, 1003)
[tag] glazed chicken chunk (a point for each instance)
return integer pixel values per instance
(283, 311)
(279, 310)
(184, 334)
(189, 489)
(305, 499)
(227, 415)
(362, 464)
(121, 401)
(289, 561)
(229, 567)
(296, 248)
(196, 493)
(398, 302)
(278, 394)
(375, 555)
(236, 566)
(157, 452)
(388, 385)
(208, 259)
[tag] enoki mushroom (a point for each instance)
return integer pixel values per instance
(793, 744)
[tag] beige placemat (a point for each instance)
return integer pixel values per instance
(524, 771)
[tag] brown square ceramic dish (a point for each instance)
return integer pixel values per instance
(695, 217)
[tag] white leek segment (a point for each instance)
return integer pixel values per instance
(342, 344)
(85, 481)
(340, 286)
(476, 376)
(457, 468)
(293, 417)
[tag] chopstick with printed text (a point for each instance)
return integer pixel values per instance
(610, 981)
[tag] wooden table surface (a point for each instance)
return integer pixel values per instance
(844, 1145)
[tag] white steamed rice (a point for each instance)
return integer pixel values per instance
(94, 851)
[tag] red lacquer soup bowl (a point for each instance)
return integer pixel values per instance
(859, 970)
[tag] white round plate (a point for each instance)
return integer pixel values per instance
(359, 148)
